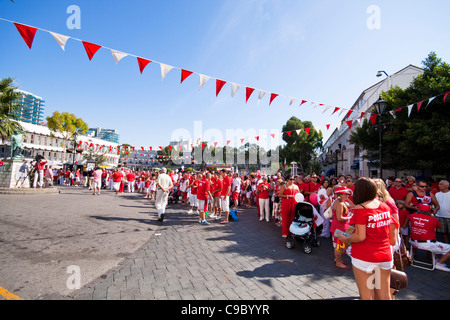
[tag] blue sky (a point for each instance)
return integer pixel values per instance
(318, 51)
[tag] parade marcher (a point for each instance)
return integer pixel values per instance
(227, 181)
(164, 184)
(203, 194)
(39, 173)
(263, 198)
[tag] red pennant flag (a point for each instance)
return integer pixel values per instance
(273, 135)
(349, 113)
(272, 97)
(349, 123)
(328, 127)
(170, 147)
(110, 148)
(419, 104)
(248, 93)
(142, 63)
(242, 140)
(307, 130)
(362, 115)
(303, 101)
(335, 110)
(228, 142)
(373, 118)
(160, 147)
(219, 86)
(215, 144)
(185, 74)
(445, 95)
(289, 133)
(398, 110)
(181, 147)
(203, 146)
(27, 33)
(90, 48)
(142, 148)
(257, 138)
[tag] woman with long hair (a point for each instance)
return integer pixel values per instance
(375, 232)
(287, 195)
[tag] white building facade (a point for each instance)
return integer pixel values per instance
(342, 158)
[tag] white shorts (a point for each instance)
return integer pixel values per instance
(97, 185)
(201, 205)
(370, 266)
(193, 200)
(225, 203)
(436, 247)
(116, 185)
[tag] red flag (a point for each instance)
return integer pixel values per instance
(219, 86)
(373, 118)
(328, 127)
(289, 133)
(27, 33)
(142, 63)
(349, 123)
(142, 148)
(248, 93)
(272, 96)
(307, 130)
(150, 148)
(273, 135)
(335, 110)
(445, 95)
(419, 104)
(185, 74)
(257, 138)
(170, 147)
(215, 144)
(90, 48)
(349, 113)
(242, 140)
(303, 101)
(228, 142)
(362, 115)
(203, 146)
(160, 147)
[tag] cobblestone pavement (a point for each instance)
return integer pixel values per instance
(180, 259)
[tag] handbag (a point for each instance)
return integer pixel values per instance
(328, 214)
(399, 279)
(401, 256)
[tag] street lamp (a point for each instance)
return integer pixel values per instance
(380, 105)
(75, 138)
(380, 73)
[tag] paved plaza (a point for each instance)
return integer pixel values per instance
(123, 253)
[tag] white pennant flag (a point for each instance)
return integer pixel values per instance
(292, 101)
(392, 112)
(165, 68)
(203, 80)
(61, 39)
(261, 95)
(326, 109)
(118, 55)
(298, 131)
(429, 101)
(409, 109)
(338, 125)
(234, 88)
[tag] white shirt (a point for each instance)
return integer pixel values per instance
(164, 180)
(236, 183)
(444, 203)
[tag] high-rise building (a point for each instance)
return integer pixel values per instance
(110, 135)
(31, 108)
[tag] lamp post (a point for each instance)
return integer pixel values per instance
(75, 138)
(380, 106)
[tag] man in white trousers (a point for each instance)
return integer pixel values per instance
(164, 184)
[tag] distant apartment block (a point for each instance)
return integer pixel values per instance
(110, 135)
(31, 108)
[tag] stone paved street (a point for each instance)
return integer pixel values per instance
(179, 259)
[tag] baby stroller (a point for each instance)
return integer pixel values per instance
(174, 195)
(305, 227)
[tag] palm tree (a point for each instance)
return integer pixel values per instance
(8, 106)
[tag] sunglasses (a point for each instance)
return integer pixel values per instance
(422, 186)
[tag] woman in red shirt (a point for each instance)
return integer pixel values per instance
(371, 242)
(287, 193)
(263, 198)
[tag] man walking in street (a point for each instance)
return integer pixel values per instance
(164, 184)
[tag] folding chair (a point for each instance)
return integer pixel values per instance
(421, 263)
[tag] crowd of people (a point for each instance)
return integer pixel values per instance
(372, 215)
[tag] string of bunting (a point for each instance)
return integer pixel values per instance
(28, 33)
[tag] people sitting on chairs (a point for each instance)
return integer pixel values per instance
(423, 235)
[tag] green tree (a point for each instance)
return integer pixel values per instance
(66, 124)
(301, 147)
(8, 108)
(420, 140)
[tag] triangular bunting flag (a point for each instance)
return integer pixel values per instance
(349, 114)
(335, 110)
(185, 74)
(165, 68)
(292, 101)
(261, 95)
(419, 104)
(392, 112)
(349, 123)
(61, 39)
(203, 79)
(328, 127)
(429, 101)
(248, 93)
(273, 135)
(234, 88)
(219, 86)
(228, 142)
(289, 133)
(445, 95)
(27, 33)
(257, 138)
(90, 48)
(242, 140)
(373, 118)
(272, 97)
(410, 109)
(142, 63)
(307, 130)
(298, 131)
(326, 109)
(117, 55)
(303, 101)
